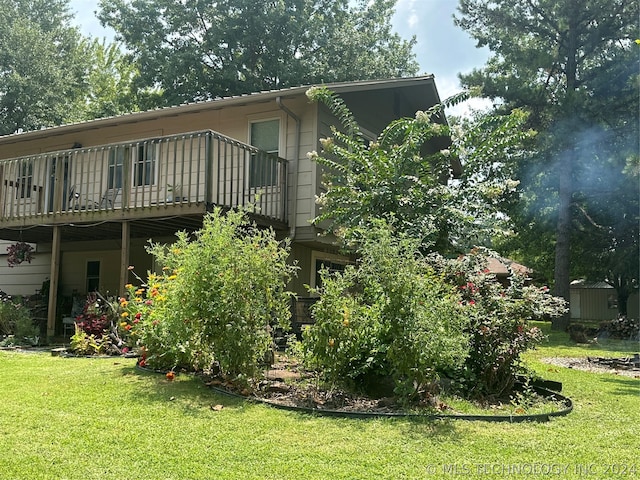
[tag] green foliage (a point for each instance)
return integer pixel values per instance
(218, 296)
(404, 176)
(389, 316)
(51, 74)
(111, 83)
(16, 322)
(97, 330)
(42, 62)
(200, 50)
(573, 66)
(499, 329)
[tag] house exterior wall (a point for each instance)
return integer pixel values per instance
(26, 278)
(301, 122)
(232, 121)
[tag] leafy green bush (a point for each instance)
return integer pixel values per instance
(16, 321)
(219, 294)
(388, 317)
(498, 329)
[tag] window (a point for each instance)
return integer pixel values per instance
(25, 180)
(116, 166)
(144, 165)
(329, 265)
(93, 276)
(263, 169)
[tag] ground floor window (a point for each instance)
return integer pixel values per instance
(93, 275)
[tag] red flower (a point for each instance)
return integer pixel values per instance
(138, 315)
(142, 362)
(128, 327)
(170, 375)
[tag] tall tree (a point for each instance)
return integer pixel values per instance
(111, 80)
(199, 49)
(42, 60)
(403, 177)
(571, 64)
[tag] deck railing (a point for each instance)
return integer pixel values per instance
(199, 168)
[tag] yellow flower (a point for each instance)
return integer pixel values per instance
(122, 324)
(173, 277)
(345, 317)
(128, 286)
(124, 314)
(123, 303)
(140, 291)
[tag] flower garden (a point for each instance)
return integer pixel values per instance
(397, 325)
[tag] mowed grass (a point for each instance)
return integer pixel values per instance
(71, 418)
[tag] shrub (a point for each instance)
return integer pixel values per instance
(16, 321)
(389, 316)
(498, 329)
(219, 294)
(97, 329)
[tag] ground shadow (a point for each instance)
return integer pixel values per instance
(624, 385)
(188, 391)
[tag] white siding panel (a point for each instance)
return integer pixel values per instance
(26, 278)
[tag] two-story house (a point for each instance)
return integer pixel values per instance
(91, 194)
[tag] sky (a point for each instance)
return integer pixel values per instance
(442, 49)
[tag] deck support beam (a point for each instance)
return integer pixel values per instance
(124, 257)
(54, 282)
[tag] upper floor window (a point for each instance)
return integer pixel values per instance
(263, 169)
(25, 180)
(116, 166)
(144, 164)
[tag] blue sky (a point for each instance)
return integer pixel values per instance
(442, 48)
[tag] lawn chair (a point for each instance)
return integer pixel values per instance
(110, 199)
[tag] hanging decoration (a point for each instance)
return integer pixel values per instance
(19, 252)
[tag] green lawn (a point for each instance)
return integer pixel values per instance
(68, 418)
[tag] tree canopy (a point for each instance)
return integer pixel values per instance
(42, 61)
(198, 49)
(573, 66)
(51, 74)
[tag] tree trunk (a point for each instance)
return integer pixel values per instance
(565, 171)
(563, 238)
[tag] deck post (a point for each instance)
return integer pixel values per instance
(124, 257)
(53, 286)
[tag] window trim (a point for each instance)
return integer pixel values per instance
(325, 256)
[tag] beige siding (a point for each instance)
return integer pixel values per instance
(26, 278)
(233, 122)
(73, 270)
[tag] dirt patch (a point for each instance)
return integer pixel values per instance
(583, 363)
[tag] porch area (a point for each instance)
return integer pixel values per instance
(147, 179)
(146, 188)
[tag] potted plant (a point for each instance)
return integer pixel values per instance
(19, 252)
